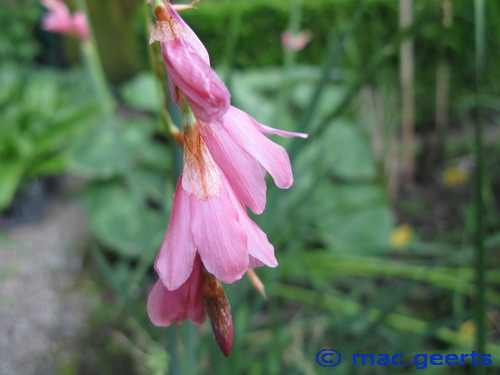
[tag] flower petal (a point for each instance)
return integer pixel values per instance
(243, 129)
(259, 246)
(174, 262)
(260, 250)
(206, 94)
(165, 307)
(282, 133)
(189, 37)
(243, 172)
(218, 234)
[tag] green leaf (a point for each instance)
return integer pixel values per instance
(99, 154)
(11, 173)
(348, 152)
(142, 93)
(123, 227)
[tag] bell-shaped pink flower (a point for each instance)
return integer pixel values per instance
(165, 306)
(238, 144)
(188, 66)
(58, 19)
(200, 295)
(210, 220)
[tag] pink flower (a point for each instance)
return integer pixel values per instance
(240, 148)
(200, 295)
(188, 66)
(165, 306)
(209, 219)
(80, 26)
(59, 20)
(295, 42)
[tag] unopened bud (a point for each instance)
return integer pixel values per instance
(218, 310)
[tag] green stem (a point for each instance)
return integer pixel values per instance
(108, 109)
(480, 303)
(159, 73)
(289, 62)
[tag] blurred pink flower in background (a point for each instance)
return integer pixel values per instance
(188, 66)
(59, 20)
(295, 42)
(80, 26)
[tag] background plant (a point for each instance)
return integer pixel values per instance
(350, 276)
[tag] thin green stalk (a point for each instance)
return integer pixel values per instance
(159, 74)
(480, 303)
(108, 109)
(230, 45)
(378, 60)
(455, 279)
(289, 62)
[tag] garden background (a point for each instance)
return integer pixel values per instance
(387, 241)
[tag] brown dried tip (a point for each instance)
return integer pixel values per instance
(178, 137)
(218, 310)
(161, 13)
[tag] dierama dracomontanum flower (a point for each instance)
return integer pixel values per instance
(210, 236)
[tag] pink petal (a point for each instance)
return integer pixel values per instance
(58, 18)
(282, 133)
(80, 26)
(165, 307)
(243, 172)
(174, 262)
(259, 246)
(260, 250)
(172, 88)
(189, 37)
(218, 234)
(206, 94)
(243, 129)
(254, 263)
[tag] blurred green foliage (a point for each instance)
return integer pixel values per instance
(20, 20)
(340, 283)
(41, 113)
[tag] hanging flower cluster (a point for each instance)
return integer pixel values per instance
(210, 236)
